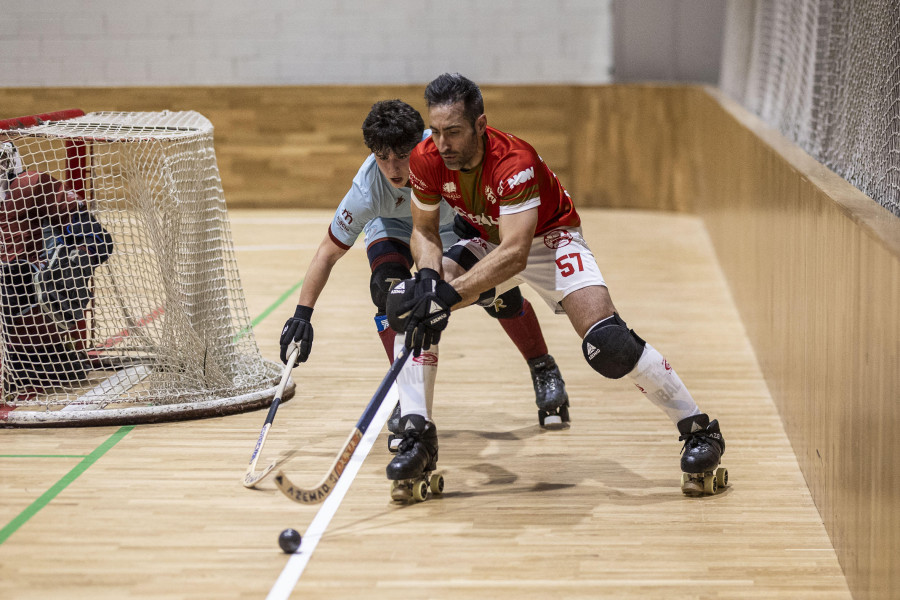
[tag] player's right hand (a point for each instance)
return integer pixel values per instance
(297, 329)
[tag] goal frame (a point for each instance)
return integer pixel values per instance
(92, 407)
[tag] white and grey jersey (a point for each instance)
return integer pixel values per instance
(372, 196)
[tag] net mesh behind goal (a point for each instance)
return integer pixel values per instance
(120, 299)
(826, 73)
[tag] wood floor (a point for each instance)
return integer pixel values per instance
(594, 511)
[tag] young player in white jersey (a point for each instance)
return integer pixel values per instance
(378, 205)
(531, 233)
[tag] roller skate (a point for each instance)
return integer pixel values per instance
(411, 471)
(549, 392)
(701, 455)
(393, 425)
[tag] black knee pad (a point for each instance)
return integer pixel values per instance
(611, 348)
(507, 305)
(461, 256)
(383, 277)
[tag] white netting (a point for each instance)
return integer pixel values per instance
(826, 73)
(119, 286)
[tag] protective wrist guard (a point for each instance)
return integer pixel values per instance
(303, 312)
(427, 274)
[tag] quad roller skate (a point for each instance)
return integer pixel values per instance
(393, 425)
(411, 471)
(549, 392)
(701, 455)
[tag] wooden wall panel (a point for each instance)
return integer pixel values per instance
(292, 146)
(626, 143)
(814, 266)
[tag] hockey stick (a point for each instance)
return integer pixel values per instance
(321, 491)
(251, 477)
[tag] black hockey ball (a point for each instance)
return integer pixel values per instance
(289, 540)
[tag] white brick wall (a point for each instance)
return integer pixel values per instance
(297, 42)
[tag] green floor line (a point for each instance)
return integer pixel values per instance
(60, 485)
(290, 292)
(43, 455)
(88, 460)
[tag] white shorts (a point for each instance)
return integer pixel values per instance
(559, 263)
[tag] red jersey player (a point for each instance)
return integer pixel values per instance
(49, 247)
(378, 206)
(531, 234)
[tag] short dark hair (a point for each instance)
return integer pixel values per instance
(451, 88)
(393, 125)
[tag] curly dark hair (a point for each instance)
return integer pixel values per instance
(451, 88)
(392, 125)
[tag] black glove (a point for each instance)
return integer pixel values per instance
(86, 231)
(429, 314)
(464, 229)
(64, 284)
(297, 329)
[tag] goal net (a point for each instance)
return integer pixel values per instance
(120, 300)
(826, 73)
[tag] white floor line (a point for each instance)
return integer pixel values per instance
(297, 563)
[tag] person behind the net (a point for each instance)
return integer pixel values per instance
(378, 204)
(50, 245)
(533, 235)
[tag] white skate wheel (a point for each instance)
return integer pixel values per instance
(420, 491)
(399, 491)
(552, 421)
(722, 476)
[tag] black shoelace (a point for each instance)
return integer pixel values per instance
(693, 440)
(409, 440)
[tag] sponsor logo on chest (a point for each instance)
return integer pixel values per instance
(480, 219)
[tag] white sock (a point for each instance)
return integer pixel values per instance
(415, 383)
(660, 383)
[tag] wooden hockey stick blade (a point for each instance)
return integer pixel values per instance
(251, 477)
(324, 487)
